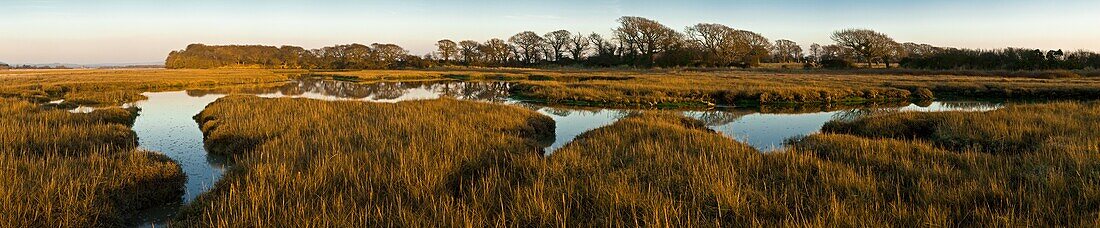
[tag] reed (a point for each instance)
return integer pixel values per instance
(455, 163)
(77, 170)
(443, 162)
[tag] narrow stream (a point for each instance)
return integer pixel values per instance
(165, 121)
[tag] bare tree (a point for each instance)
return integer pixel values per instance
(867, 44)
(603, 46)
(577, 46)
(815, 52)
(528, 44)
(387, 55)
(496, 50)
(715, 39)
(787, 51)
(470, 51)
(557, 42)
(447, 49)
(645, 37)
(754, 46)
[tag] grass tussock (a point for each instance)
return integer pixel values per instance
(77, 170)
(443, 162)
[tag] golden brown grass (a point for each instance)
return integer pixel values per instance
(696, 88)
(451, 163)
(442, 162)
(118, 86)
(77, 170)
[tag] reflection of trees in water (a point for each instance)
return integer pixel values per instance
(971, 105)
(853, 114)
(484, 91)
(717, 117)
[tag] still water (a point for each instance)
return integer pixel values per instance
(165, 121)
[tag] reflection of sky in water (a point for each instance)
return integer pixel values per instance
(165, 124)
(568, 124)
(411, 94)
(767, 132)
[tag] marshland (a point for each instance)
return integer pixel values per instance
(640, 125)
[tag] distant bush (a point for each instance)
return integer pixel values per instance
(836, 64)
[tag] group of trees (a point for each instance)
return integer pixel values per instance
(349, 56)
(1004, 59)
(636, 42)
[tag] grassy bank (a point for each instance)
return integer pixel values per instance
(115, 87)
(657, 88)
(77, 170)
(438, 162)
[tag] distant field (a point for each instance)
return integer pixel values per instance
(571, 86)
(117, 86)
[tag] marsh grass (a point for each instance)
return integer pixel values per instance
(77, 170)
(442, 162)
(119, 86)
(705, 88)
(453, 163)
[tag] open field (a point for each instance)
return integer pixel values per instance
(77, 170)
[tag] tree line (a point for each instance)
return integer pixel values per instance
(636, 42)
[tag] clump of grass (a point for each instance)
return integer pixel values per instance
(437, 162)
(1011, 130)
(649, 169)
(77, 170)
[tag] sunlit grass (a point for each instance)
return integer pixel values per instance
(115, 87)
(300, 161)
(77, 170)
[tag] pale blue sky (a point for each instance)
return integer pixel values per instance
(123, 31)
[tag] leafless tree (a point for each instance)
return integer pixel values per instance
(470, 51)
(557, 42)
(496, 50)
(754, 45)
(644, 36)
(577, 46)
(815, 52)
(603, 47)
(715, 39)
(527, 44)
(867, 44)
(787, 51)
(447, 49)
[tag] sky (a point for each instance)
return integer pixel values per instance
(131, 31)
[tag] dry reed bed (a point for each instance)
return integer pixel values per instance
(455, 163)
(115, 87)
(77, 170)
(301, 161)
(679, 88)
